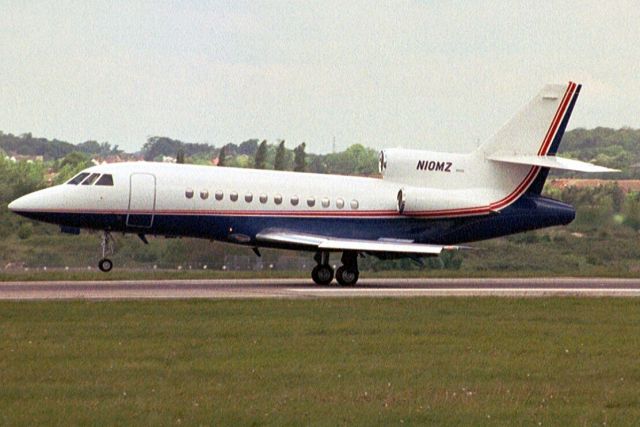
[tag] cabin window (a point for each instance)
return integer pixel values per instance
(248, 197)
(78, 178)
(105, 179)
(233, 196)
(294, 200)
(188, 193)
(325, 202)
(263, 198)
(91, 179)
(339, 203)
(277, 199)
(204, 194)
(219, 195)
(354, 204)
(311, 202)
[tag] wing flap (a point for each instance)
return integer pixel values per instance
(333, 244)
(553, 162)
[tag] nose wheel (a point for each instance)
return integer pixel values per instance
(105, 264)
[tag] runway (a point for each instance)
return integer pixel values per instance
(304, 288)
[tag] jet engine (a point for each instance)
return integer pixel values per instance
(418, 167)
(416, 200)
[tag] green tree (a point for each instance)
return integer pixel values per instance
(222, 156)
(281, 158)
(248, 147)
(261, 156)
(180, 156)
(157, 146)
(355, 160)
(300, 161)
(72, 163)
(25, 230)
(632, 211)
(27, 145)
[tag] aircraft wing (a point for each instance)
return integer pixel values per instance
(311, 241)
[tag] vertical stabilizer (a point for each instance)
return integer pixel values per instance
(538, 127)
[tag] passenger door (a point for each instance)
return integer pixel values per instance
(142, 200)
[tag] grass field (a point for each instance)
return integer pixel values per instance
(445, 361)
(140, 274)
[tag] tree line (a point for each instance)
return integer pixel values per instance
(257, 154)
(615, 148)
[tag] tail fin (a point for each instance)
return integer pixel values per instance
(538, 127)
(536, 130)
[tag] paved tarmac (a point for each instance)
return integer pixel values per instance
(304, 288)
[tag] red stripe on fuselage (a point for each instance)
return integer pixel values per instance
(319, 214)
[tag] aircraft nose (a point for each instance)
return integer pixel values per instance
(29, 202)
(17, 205)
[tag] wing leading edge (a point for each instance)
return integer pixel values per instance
(310, 241)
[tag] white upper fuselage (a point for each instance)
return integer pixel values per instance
(196, 188)
(233, 191)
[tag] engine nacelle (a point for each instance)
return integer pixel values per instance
(419, 167)
(417, 200)
(433, 183)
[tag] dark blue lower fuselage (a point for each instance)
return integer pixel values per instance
(528, 213)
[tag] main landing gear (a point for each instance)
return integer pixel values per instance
(322, 273)
(105, 264)
(346, 275)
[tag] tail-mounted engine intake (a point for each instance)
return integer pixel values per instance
(402, 200)
(418, 200)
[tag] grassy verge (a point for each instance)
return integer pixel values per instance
(126, 274)
(451, 361)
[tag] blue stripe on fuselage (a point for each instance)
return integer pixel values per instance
(528, 213)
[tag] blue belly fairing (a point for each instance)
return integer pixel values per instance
(528, 213)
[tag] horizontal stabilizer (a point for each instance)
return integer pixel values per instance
(553, 162)
(306, 241)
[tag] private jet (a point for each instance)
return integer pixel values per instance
(425, 202)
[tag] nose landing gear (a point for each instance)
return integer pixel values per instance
(105, 264)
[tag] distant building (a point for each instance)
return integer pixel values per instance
(626, 185)
(21, 158)
(114, 158)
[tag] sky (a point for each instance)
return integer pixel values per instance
(415, 74)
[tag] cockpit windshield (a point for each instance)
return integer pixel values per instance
(105, 179)
(92, 179)
(78, 178)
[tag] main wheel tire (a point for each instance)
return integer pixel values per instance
(322, 274)
(347, 276)
(105, 265)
